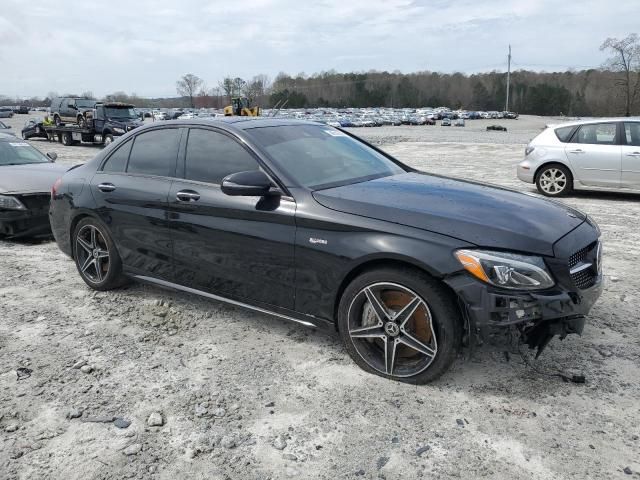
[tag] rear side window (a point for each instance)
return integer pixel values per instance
(117, 162)
(155, 152)
(597, 134)
(211, 156)
(564, 133)
(632, 133)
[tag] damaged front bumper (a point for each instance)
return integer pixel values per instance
(539, 316)
(32, 222)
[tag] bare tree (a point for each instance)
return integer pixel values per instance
(256, 88)
(88, 94)
(626, 60)
(188, 86)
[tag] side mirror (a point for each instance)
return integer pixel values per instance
(8, 126)
(254, 183)
(52, 156)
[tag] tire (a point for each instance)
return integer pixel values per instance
(57, 121)
(96, 256)
(107, 139)
(554, 180)
(67, 139)
(82, 122)
(435, 323)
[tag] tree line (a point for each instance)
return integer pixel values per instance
(611, 90)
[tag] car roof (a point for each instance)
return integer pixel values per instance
(574, 123)
(243, 123)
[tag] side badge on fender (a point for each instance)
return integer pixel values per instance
(321, 241)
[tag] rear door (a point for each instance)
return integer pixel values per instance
(630, 176)
(236, 247)
(131, 191)
(594, 154)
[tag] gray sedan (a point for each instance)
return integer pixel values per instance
(26, 179)
(602, 154)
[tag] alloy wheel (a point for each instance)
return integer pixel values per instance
(92, 254)
(553, 181)
(391, 328)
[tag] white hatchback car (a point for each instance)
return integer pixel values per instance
(601, 154)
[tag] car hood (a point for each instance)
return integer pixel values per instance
(30, 178)
(486, 216)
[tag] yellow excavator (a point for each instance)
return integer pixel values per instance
(241, 107)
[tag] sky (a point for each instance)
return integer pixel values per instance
(144, 46)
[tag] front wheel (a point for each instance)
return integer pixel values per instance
(401, 324)
(82, 122)
(108, 139)
(57, 120)
(554, 181)
(96, 256)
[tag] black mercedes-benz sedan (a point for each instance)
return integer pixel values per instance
(309, 223)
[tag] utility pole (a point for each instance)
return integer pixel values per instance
(506, 108)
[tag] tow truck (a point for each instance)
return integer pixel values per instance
(107, 121)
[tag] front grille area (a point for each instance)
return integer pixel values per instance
(585, 278)
(36, 202)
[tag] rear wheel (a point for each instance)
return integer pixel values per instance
(96, 256)
(554, 180)
(400, 324)
(67, 139)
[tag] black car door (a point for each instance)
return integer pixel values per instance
(236, 247)
(131, 191)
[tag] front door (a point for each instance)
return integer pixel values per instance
(131, 191)
(594, 154)
(236, 247)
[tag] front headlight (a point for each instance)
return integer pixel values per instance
(506, 270)
(118, 130)
(11, 203)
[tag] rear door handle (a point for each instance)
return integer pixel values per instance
(106, 187)
(633, 154)
(187, 196)
(577, 150)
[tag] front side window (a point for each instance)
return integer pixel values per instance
(211, 156)
(319, 156)
(117, 162)
(632, 133)
(597, 134)
(155, 152)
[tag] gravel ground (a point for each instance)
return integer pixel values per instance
(205, 390)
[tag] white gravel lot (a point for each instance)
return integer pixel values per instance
(242, 395)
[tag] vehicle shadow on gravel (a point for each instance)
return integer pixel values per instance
(27, 241)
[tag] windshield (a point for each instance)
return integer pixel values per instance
(319, 157)
(19, 153)
(120, 112)
(85, 103)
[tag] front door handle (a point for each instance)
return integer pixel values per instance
(106, 187)
(577, 150)
(187, 196)
(633, 154)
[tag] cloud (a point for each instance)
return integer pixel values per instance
(145, 45)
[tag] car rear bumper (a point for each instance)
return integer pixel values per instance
(525, 172)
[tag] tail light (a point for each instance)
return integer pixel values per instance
(56, 186)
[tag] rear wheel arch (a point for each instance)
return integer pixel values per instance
(551, 163)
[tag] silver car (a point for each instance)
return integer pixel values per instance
(601, 154)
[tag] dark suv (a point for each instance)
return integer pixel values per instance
(68, 109)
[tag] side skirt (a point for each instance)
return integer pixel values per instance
(309, 321)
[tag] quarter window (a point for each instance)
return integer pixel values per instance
(632, 133)
(117, 162)
(155, 152)
(211, 156)
(597, 134)
(564, 133)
